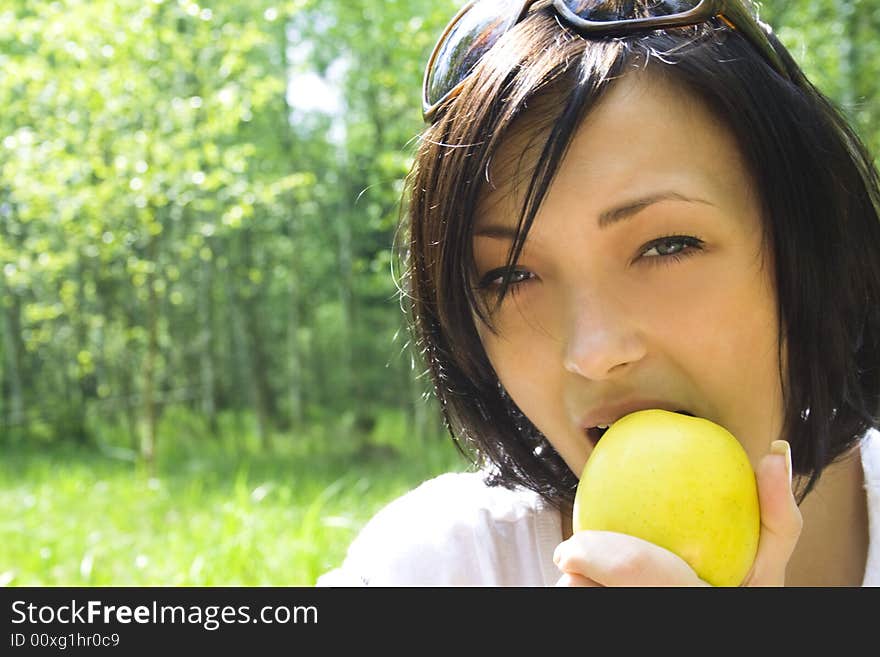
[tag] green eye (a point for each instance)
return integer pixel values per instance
(496, 277)
(672, 246)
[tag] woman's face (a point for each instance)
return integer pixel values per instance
(644, 281)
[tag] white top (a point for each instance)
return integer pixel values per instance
(454, 530)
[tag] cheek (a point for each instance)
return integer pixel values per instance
(525, 367)
(732, 350)
(517, 367)
(737, 332)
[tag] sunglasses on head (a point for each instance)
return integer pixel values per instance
(481, 23)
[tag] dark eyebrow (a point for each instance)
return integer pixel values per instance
(606, 218)
(631, 208)
(497, 232)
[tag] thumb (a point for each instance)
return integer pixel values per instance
(781, 521)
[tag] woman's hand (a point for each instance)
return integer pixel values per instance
(600, 558)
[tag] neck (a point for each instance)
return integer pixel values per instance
(833, 546)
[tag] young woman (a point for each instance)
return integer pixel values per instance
(631, 204)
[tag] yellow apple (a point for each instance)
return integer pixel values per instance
(681, 482)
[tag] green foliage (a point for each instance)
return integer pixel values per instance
(177, 225)
(836, 44)
(173, 227)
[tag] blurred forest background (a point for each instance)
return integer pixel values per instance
(205, 376)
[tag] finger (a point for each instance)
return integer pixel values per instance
(614, 559)
(573, 579)
(781, 520)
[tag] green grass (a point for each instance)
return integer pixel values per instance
(216, 513)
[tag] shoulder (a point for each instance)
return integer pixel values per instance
(870, 452)
(463, 498)
(450, 530)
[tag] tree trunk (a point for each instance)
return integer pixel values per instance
(346, 302)
(237, 389)
(14, 416)
(848, 56)
(85, 381)
(150, 412)
(12, 381)
(126, 378)
(247, 337)
(295, 364)
(258, 360)
(295, 360)
(206, 343)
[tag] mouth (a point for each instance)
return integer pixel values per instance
(594, 434)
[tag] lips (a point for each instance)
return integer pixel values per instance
(597, 422)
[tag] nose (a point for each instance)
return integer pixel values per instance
(603, 340)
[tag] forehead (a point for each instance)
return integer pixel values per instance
(645, 133)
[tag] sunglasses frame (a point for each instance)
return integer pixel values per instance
(734, 14)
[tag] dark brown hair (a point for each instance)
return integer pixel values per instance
(820, 198)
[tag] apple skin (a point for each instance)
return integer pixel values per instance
(681, 482)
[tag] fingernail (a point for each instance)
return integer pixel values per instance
(782, 448)
(557, 554)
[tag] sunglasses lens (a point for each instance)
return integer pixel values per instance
(475, 32)
(600, 11)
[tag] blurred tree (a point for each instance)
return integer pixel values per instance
(198, 205)
(837, 45)
(175, 228)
